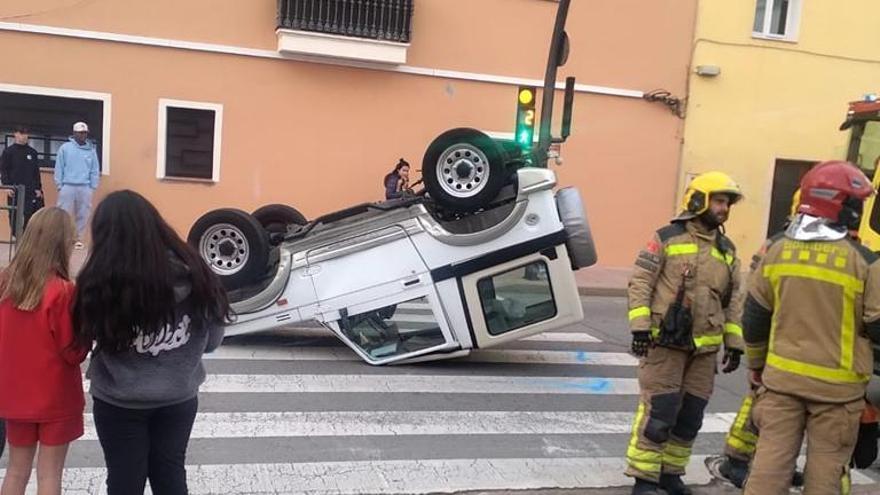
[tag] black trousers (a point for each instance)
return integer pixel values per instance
(145, 443)
(31, 204)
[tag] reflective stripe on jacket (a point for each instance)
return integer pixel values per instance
(810, 306)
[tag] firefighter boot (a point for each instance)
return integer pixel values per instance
(644, 487)
(673, 485)
(797, 479)
(735, 471)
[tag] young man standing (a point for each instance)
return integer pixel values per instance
(77, 173)
(19, 167)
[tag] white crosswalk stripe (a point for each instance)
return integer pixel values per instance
(562, 337)
(373, 423)
(431, 384)
(275, 353)
(399, 476)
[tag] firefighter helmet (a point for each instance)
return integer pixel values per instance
(835, 190)
(698, 192)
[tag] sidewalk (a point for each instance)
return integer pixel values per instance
(593, 281)
(603, 280)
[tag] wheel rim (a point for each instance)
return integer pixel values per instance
(225, 248)
(463, 170)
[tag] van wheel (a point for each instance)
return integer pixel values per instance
(276, 217)
(463, 169)
(233, 244)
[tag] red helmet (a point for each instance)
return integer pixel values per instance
(831, 186)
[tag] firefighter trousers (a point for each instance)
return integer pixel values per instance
(742, 438)
(675, 386)
(831, 431)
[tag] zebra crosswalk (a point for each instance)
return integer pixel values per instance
(294, 411)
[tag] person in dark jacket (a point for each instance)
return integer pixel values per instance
(19, 166)
(397, 181)
(151, 307)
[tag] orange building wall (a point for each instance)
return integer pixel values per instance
(321, 137)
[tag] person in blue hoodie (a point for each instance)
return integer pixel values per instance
(77, 173)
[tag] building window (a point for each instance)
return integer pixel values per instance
(386, 20)
(49, 114)
(777, 19)
(189, 140)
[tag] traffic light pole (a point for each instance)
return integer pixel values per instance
(558, 53)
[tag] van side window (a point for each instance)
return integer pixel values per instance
(517, 298)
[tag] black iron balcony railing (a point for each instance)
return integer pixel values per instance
(389, 20)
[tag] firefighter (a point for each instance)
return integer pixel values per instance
(739, 445)
(684, 303)
(813, 304)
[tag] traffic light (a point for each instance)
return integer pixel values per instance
(525, 116)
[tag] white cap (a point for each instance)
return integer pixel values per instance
(80, 127)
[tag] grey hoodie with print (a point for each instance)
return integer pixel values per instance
(160, 371)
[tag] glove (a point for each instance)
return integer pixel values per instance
(731, 360)
(641, 343)
(756, 378)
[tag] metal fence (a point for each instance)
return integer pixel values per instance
(389, 20)
(15, 210)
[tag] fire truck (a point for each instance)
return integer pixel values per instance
(863, 122)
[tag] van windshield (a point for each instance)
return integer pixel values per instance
(869, 148)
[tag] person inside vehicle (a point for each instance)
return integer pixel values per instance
(397, 181)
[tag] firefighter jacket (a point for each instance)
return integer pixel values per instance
(812, 309)
(705, 261)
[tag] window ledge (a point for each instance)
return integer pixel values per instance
(340, 47)
(196, 180)
(774, 37)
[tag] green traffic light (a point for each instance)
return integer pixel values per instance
(525, 117)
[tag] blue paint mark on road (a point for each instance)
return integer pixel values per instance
(593, 385)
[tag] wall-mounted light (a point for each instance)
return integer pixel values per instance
(708, 70)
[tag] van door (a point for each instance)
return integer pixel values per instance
(395, 329)
(522, 297)
(375, 293)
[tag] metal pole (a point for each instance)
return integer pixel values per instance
(19, 212)
(556, 46)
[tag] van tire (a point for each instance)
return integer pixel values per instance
(233, 244)
(463, 170)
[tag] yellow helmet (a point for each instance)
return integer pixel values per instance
(795, 202)
(698, 192)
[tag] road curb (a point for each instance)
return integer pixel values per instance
(602, 291)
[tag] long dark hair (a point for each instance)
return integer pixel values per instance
(400, 164)
(126, 287)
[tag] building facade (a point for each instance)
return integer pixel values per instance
(768, 92)
(217, 103)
